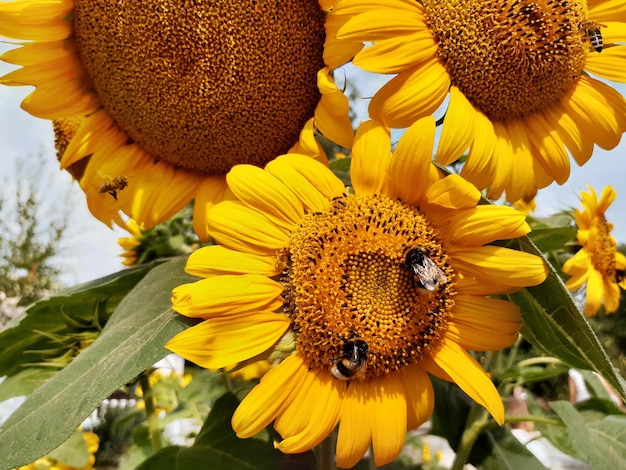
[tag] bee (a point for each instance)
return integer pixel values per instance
(620, 275)
(352, 360)
(427, 276)
(114, 185)
(593, 33)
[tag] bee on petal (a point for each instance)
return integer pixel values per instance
(113, 185)
(593, 33)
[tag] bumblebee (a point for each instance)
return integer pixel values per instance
(113, 186)
(352, 360)
(427, 276)
(594, 34)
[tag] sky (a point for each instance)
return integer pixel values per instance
(90, 248)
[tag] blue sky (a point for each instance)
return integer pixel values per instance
(90, 249)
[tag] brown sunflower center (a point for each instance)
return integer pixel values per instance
(348, 285)
(602, 248)
(209, 84)
(510, 58)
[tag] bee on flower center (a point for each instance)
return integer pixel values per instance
(113, 185)
(593, 33)
(426, 275)
(352, 359)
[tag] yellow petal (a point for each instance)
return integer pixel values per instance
(315, 173)
(371, 155)
(227, 295)
(355, 426)
(389, 413)
(457, 132)
(453, 192)
(595, 293)
(413, 94)
(210, 191)
(606, 65)
(313, 413)
(382, 23)
(478, 167)
(483, 324)
(397, 53)
(409, 169)
(484, 224)
(611, 296)
(217, 259)
(299, 184)
(272, 395)
(500, 265)
(240, 228)
(331, 113)
(420, 396)
(467, 374)
(265, 193)
(223, 341)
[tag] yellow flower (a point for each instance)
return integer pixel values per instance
(515, 74)
(597, 263)
(334, 283)
(154, 102)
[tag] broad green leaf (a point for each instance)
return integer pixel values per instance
(24, 382)
(79, 305)
(217, 446)
(552, 238)
(603, 444)
(554, 325)
(131, 342)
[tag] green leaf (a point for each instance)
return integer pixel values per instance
(602, 444)
(554, 325)
(24, 382)
(79, 304)
(552, 238)
(217, 446)
(131, 342)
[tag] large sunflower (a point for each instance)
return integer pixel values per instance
(515, 74)
(155, 101)
(364, 293)
(597, 264)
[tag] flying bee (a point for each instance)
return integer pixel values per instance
(593, 33)
(352, 359)
(113, 185)
(427, 276)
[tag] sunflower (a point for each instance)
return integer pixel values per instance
(164, 95)
(514, 76)
(597, 263)
(363, 293)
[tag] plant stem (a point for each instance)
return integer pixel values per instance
(153, 419)
(325, 453)
(476, 421)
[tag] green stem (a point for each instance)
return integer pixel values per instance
(534, 419)
(476, 421)
(153, 419)
(325, 453)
